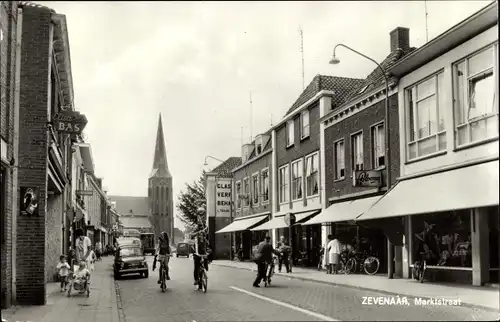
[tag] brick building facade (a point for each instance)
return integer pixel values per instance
(8, 174)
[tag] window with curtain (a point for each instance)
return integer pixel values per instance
(304, 120)
(297, 169)
(265, 185)
(255, 189)
(339, 156)
(357, 152)
(378, 145)
(426, 117)
(246, 192)
(238, 194)
(312, 175)
(476, 97)
(290, 133)
(283, 184)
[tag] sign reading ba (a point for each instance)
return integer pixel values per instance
(70, 122)
(367, 178)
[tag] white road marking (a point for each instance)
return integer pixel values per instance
(289, 306)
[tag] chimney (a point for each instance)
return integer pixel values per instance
(400, 38)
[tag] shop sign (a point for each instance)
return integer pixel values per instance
(289, 219)
(367, 178)
(69, 122)
(29, 201)
(223, 198)
(84, 192)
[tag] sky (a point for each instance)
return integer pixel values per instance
(197, 62)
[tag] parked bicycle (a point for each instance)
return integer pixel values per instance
(302, 259)
(361, 261)
(419, 268)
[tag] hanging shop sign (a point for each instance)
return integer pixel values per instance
(289, 219)
(70, 122)
(84, 192)
(223, 198)
(367, 178)
(29, 201)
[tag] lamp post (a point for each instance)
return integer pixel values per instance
(211, 157)
(335, 61)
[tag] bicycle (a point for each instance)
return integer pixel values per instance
(270, 271)
(202, 275)
(371, 263)
(163, 273)
(419, 268)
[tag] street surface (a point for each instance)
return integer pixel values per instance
(231, 297)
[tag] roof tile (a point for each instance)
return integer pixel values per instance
(224, 170)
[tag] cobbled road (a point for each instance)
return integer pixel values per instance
(231, 297)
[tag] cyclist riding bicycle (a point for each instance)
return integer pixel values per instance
(201, 249)
(163, 250)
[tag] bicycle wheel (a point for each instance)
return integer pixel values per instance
(350, 265)
(421, 273)
(371, 265)
(204, 281)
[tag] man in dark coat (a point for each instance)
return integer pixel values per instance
(264, 255)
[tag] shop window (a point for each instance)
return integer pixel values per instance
(443, 239)
(297, 170)
(378, 146)
(357, 151)
(265, 185)
(426, 117)
(283, 184)
(304, 121)
(494, 237)
(475, 97)
(312, 175)
(339, 157)
(290, 133)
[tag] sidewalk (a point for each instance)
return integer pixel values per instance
(101, 306)
(471, 296)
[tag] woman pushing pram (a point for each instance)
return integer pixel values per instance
(80, 279)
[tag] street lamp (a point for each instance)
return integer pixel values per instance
(335, 61)
(211, 157)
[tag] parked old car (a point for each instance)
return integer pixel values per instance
(130, 259)
(184, 249)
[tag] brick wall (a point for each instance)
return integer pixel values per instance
(248, 171)
(32, 231)
(363, 120)
(7, 83)
(54, 238)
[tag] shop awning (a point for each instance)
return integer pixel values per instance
(279, 222)
(242, 224)
(80, 213)
(343, 211)
(471, 187)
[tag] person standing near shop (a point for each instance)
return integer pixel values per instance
(333, 254)
(284, 250)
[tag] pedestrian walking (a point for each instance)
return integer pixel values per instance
(83, 247)
(263, 255)
(333, 254)
(284, 250)
(71, 256)
(63, 272)
(98, 250)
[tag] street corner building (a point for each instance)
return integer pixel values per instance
(251, 195)
(218, 193)
(41, 125)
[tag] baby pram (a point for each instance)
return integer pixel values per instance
(81, 284)
(270, 270)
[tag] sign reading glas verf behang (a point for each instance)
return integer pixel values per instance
(223, 198)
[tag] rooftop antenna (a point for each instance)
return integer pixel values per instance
(302, 52)
(426, 27)
(251, 117)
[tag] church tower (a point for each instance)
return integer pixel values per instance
(160, 186)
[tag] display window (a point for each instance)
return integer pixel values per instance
(443, 239)
(494, 237)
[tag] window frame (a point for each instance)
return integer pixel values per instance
(300, 168)
(439, 134)
(286, 192)
(315, 173)
(246, 200)
(262, 182)
(304, 135)
(336, 174)
(238, 193)
(353, 155)
(255, 195)
(290, 138)
(493, 70)
(374, 157)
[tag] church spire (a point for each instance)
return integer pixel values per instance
(160, 165)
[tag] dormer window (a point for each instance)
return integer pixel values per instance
(258, 145)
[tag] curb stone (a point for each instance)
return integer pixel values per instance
(362, 288)
(120, 314)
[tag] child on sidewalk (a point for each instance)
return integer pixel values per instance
(93, 258)
(63, 270)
